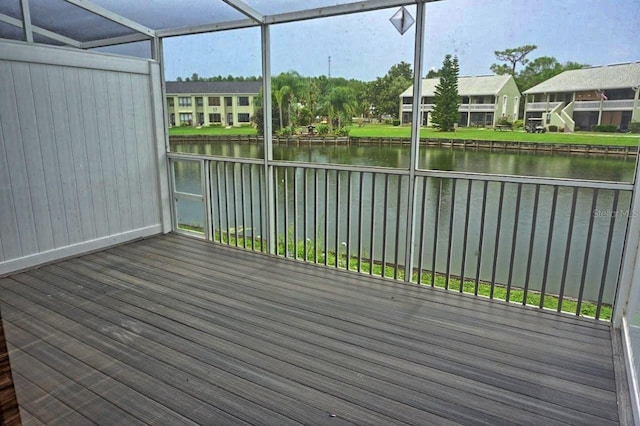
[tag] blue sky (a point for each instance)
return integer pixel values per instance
(365, 46)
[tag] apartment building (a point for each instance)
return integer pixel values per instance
(203, 103)
(483, 100)
(581, 99)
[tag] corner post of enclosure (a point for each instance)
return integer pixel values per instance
(626, 292)
(162, 135)
(27, 27)
(268, 141)
(415, 141)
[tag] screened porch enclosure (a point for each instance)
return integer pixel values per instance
(140, 285)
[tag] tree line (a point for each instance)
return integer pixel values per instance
(298, 100)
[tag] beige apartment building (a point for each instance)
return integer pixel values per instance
(204, 103)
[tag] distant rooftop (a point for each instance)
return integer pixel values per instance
(467, 86)
(617, 76)
(204, 87)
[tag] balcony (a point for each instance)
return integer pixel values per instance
(175, 330)
(477, 107)
(542, 106)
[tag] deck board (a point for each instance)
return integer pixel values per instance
(176, 330)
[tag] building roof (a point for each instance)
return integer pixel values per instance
(206, 87)
(467, 86)
(618, 76)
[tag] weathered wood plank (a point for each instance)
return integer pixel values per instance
(197, 331)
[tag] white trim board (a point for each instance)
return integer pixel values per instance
(22, 263)
(54, 55)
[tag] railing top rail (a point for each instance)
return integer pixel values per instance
(622, 186)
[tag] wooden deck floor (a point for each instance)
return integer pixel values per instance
(177, 331)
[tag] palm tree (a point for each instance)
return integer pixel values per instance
(342, 101)
(280, 95)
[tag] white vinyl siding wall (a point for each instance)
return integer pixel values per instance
(78, 155)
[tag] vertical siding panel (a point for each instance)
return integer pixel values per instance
(62, 133)
(89, 123)
(36, 185)
(151, 149)
(145, 152)
(48, 148)
(129, 143)
(117, 134)
(82, 166)
(106, 151)
(9, 238)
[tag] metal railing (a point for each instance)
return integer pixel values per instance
(626, 104)
(477, 107)
(541, 106)
(586, 106)
(550, 243)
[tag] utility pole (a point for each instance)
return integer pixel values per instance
(329, 66)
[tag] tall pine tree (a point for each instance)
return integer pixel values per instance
(446, 100)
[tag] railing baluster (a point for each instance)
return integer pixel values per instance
(534, 218)
(587, 251)
(326, 217)
(452, 210)
(305, 212)
(397, 242)
(315, 216)
(384, 225)
(226, 200)
(422, 230)
(514, 240)
(605, 266)
(567, 250)
(251, 211)
(497, 242)
(337, 256)
(286, 211)
(360, 219)
(244, 224)
(295, 212)
(467, 210)
(435, 233)
(545, 272)
(235, 201)
(348, 246)
(276, 179)
(218, 196)
(372, 236)
(481, 237)
(263, 220)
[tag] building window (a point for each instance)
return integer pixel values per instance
(201, 118)
(199, 101)
(215, 118)
(407, 100)
(170, 101)
(184, 101)
(214, 101)
(243, 117)
(516, 107)
(228, 101)
(504, 105)
(186, 118)
(243, 101)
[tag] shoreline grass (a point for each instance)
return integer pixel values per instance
(464, 133)
(310, 252)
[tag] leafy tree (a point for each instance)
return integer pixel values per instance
(512, 57)
(342, 101)
(281, 95)
(541, 69)
(195, 77)
(433, 73)
(383, 93)
(179, 79)
(446, 100)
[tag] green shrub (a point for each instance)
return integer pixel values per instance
(215, 124)
(634, 127)
(342, 132)
(323, 129)
(396, 122)
(518, 124)
(608, 128)
(504, 122)
(285, 131)
(553, 128)
(388, 121)
(184, 124)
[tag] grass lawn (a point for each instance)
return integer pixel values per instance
(383, 130)
(214, 131)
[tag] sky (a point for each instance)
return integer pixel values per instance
(365, 46)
